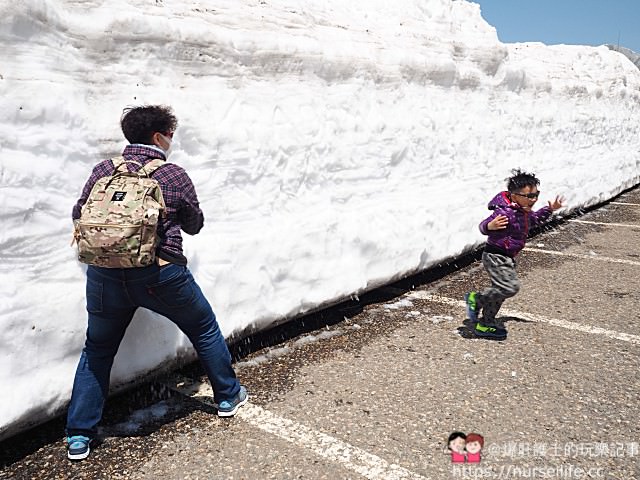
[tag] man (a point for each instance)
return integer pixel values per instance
(166, 287)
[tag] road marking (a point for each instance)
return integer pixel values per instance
(582, 255)
(360, 461)
(625, 203)
(606, 223)
(626, 337)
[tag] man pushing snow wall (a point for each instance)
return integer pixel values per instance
(335, 146)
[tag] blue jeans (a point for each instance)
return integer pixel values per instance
(113, 295)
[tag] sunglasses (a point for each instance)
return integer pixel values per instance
(530, 196)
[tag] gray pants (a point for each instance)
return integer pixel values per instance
(504, 284)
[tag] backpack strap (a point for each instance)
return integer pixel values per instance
(152, 166)
(118, 162)
(147, 169)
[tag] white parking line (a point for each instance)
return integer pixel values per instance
(626, 337)
(360, 461)
(606, 223)
(582, 255)
(625, 203)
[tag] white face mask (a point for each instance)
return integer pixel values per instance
(168, 141)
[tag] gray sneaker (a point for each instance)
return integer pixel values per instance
(228, 408)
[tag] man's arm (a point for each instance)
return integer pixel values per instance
(190, 215)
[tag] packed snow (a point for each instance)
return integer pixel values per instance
(335, 146)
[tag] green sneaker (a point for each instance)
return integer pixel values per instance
(487, 331)
(472, 306)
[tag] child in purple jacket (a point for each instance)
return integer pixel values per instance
(507, 228)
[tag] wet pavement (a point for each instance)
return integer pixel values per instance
(373, 387)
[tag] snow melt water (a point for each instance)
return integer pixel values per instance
(335, 146)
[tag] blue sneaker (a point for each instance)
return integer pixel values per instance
(472, 306)
(78, 447)
(228, 408)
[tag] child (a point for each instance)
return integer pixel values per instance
(507, 228)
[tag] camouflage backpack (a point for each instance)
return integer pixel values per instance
(118, 224)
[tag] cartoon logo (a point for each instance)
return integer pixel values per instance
(465, 448)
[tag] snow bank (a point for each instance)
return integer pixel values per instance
(335, 146)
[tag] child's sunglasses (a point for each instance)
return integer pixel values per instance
(531, 196)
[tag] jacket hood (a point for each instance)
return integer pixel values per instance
(500, 200)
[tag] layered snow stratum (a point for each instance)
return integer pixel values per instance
(335, 146)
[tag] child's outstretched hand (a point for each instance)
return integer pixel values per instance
(557, 203)
(498, 223)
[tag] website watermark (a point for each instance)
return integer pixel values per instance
(564, 472)
(564, 461)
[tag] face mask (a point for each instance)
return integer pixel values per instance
(168, 141)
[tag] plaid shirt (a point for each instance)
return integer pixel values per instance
(183, 210)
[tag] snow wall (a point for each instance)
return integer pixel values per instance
(335, 146)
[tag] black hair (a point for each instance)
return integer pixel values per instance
(520, 179)
(140, 123)
(455, 435)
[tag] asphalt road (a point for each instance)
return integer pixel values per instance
(373, 388)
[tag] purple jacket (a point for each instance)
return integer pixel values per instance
(512, 239)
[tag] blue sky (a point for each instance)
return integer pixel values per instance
(583, 22)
